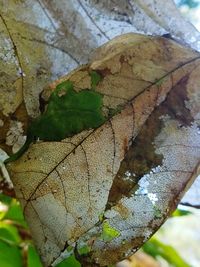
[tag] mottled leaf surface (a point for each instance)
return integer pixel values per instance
(109, 188)
(40, 40)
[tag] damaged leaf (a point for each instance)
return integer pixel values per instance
(43, 40)
(130, 172)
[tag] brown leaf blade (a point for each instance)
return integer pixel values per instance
(130, 172)
(43, 40)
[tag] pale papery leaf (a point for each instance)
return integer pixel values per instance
(42, 40)
(127, 175)
(165, 14)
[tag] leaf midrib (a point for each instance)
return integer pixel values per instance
(127, 103)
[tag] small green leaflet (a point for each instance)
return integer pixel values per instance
(68, 113)
(108, 232)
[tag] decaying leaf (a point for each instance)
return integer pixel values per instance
(41, 40)
(111, 187)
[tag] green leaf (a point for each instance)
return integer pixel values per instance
(180, 212)
(108, 233)
(71, 261)
(15, 213)
(10, 256)
(156, 248)
(9, 234)
(33, 257)
(5, 199)
(68, 113)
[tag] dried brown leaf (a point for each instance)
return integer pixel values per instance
(129, 173)
(42, 40)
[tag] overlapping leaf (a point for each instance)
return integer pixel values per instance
(110, 188)
(42, 40)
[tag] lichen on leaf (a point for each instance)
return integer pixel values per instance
(108, 232)
(68, 113)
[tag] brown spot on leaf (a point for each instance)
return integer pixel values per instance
(122, 59)
(175, 106)
(104, 72)
(123, 211)
(125, 145)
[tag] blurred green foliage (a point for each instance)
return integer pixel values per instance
(180, 212)
(16, 247)
(156, 248)
(71, 261)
